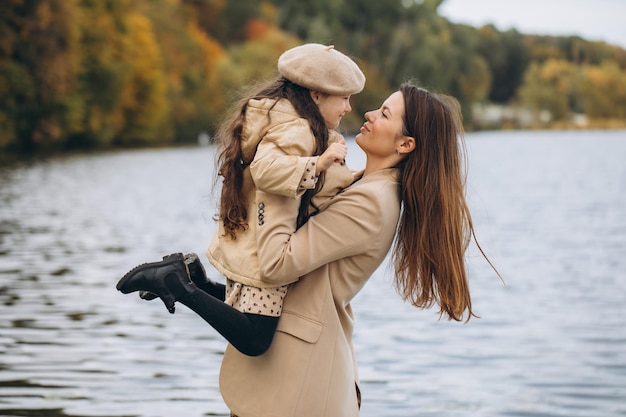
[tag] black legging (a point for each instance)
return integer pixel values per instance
(251, 334)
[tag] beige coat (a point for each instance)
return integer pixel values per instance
(310, 368)
(279, 151)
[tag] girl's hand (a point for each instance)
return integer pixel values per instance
(336, 152)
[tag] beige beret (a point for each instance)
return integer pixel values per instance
(321, 68)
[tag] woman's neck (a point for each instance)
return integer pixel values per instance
(374, 164)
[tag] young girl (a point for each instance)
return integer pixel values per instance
(281, 140)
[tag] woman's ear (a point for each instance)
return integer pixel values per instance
(406, 145)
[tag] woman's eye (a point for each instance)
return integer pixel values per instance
(384, 115)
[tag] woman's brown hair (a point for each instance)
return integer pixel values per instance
(233, 211)
(435, 225)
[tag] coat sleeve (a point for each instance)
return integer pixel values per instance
(281, 159)
(348, 226)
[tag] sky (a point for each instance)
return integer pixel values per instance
(594, 20)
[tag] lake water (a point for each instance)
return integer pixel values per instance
(549, 209)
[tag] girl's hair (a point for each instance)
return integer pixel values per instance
(435, 225)
(233, 212)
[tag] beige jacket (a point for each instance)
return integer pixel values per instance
(279, 152)
(310, 368)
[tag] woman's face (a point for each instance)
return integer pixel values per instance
(333, 108)
(382, 127)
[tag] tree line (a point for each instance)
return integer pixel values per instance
(110, 73)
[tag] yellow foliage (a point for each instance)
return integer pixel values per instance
(555, 85)
(212, 51)
(604, 91)
(145, 87)
(548, 86)
(254, 60)
(558, 73)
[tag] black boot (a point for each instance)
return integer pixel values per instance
(168, 279)
(198, 276)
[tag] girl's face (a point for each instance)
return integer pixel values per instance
(333, 108)
(380, 134)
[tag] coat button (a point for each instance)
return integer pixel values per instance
(261, 213)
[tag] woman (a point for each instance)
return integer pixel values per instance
(411, 194)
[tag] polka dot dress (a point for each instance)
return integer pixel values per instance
(254, 300)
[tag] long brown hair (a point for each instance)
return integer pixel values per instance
(233, 211)
(435, 225)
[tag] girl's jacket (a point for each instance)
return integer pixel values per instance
(278, 146)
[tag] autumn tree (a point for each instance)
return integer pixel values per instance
(143, 103)
(191, 58)
(603, 91)
(121, 80)
(39, 60)
(506, 57)
(550, 86)
(100, 73)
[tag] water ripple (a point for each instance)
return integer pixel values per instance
(548, 208)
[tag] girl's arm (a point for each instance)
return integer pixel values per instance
(282, 159)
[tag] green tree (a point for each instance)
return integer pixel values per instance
(38, 62)
(506, 57)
